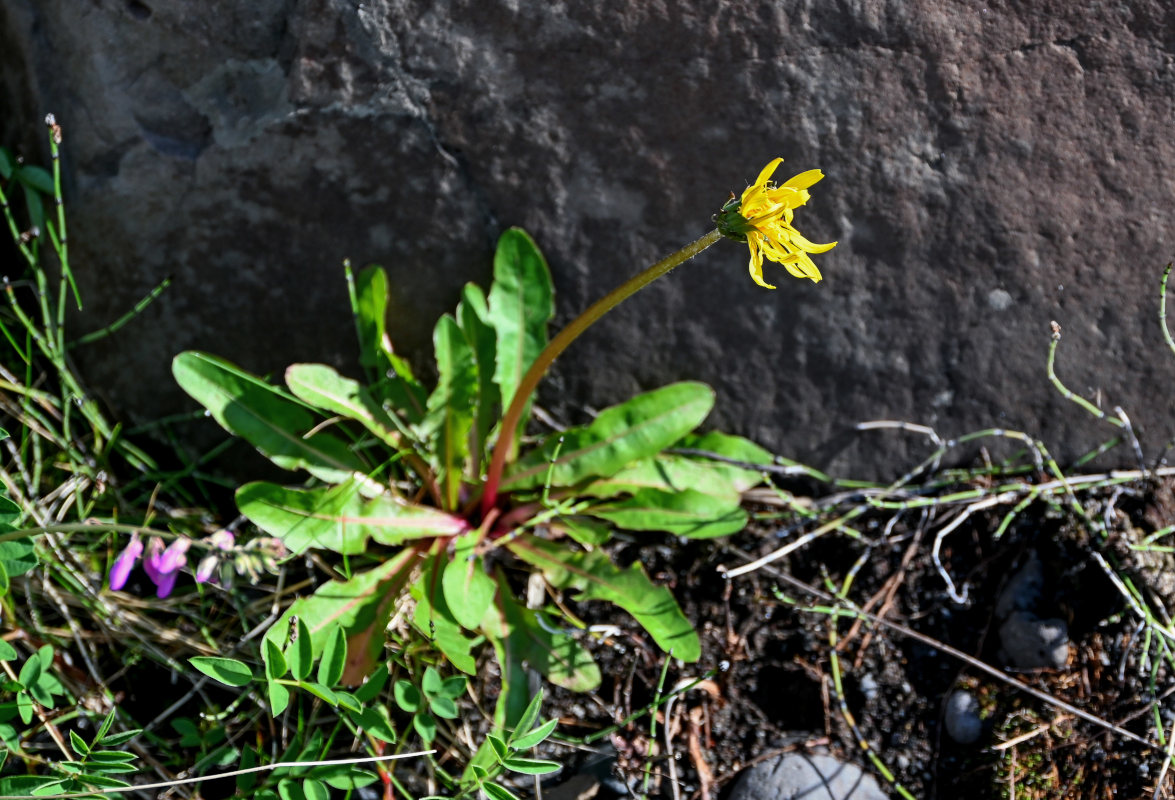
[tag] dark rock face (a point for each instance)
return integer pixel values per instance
(989, 169)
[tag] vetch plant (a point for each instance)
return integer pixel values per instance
(94, 770)
(35, 683)
(163, 563)
(433, 491)
(30, 692)
(435, 698)
(291, 668)
(301, 773)
(507, 754)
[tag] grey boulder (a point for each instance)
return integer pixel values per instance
(988, 169)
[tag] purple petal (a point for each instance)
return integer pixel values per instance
(162, 566)
(151, 562)
(165, 584)
(175, 556)
(121, 570)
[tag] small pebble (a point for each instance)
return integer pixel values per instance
(1032, 643)
(868, 686)
(962, 717)
(806, 776)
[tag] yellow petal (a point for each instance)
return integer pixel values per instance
(778, 251)
(763, 214)
(753, 198)
(787, 196)
(767, 172)
(804, 268)
(820, 248)
(809, 247)
(804, 179)
(756, 266)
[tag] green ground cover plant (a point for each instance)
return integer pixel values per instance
(437, 570)
(429, 495)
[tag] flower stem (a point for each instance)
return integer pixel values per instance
(560, 343)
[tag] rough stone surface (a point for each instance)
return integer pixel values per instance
(962, 719)
(990, 167)
(1033, 643)
(811, 777)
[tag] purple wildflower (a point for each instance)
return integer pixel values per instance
(162, 566)
(121, 570)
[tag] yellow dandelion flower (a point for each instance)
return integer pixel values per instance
(762, 218)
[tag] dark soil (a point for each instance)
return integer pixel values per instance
(767, 670)
(764, 685)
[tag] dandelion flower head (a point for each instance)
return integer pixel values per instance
(762, 218)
